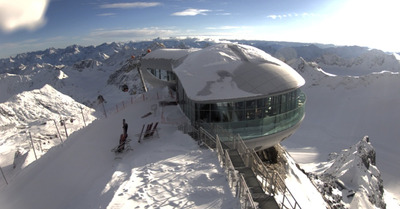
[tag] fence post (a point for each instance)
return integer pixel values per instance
(283, 197)
(41, 148)
(65, 127)
(104, 109)
(84, 121)
(4, 176)
(57, 130)
(238, 188)
(33, 146)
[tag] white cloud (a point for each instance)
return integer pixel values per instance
(290, 15)
(192, 12)
(224, 14)
(272, 16)
(22, 14)
(131, 33)
(130, 5)
(106, 14)
(223, 28)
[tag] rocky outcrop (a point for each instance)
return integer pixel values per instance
(352, 177)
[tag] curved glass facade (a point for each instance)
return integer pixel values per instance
(249, 118)
(162, 74)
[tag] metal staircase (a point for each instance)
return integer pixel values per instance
(252, 182)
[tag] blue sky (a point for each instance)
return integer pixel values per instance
(29, 25)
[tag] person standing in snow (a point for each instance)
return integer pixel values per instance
(125, 127)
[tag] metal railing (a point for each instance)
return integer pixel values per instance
(246, 199)
(236, 182)
(271, 182)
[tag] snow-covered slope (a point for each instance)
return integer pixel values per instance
(351, 179)
(368, 62)
(344, 60)
(342, 109)
(38, 114)
(168, 171)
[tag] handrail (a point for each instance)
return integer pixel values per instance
(220, 150)
(252, 160)
(230, 170)
(246, 193)
(271, 182)
(286, 189)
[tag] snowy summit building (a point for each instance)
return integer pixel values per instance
(237, 87)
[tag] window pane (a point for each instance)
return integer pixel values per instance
(239, 105)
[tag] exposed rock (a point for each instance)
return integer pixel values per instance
(352, 175)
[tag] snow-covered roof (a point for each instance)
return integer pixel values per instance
(233, 71)
(164, 58)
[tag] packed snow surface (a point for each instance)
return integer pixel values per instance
(340, 110)
(168, 171)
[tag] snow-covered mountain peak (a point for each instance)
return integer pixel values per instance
(88, 63)
(40, 111)
(316, 75)
(368, 62)
(354, 170)
(44, 103)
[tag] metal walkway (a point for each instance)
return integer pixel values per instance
(255, 185)
(259, 196)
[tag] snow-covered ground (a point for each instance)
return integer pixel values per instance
(341, 110)
(168, 171)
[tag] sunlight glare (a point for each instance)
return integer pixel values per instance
(366, 23)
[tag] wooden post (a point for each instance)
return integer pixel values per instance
(4, 176)
(33, 146)
(104, 109)
(65, 128)
(84, 122)
(58, 131)
(141, 133)
(41, 148)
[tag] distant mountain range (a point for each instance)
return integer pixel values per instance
(113, 53)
